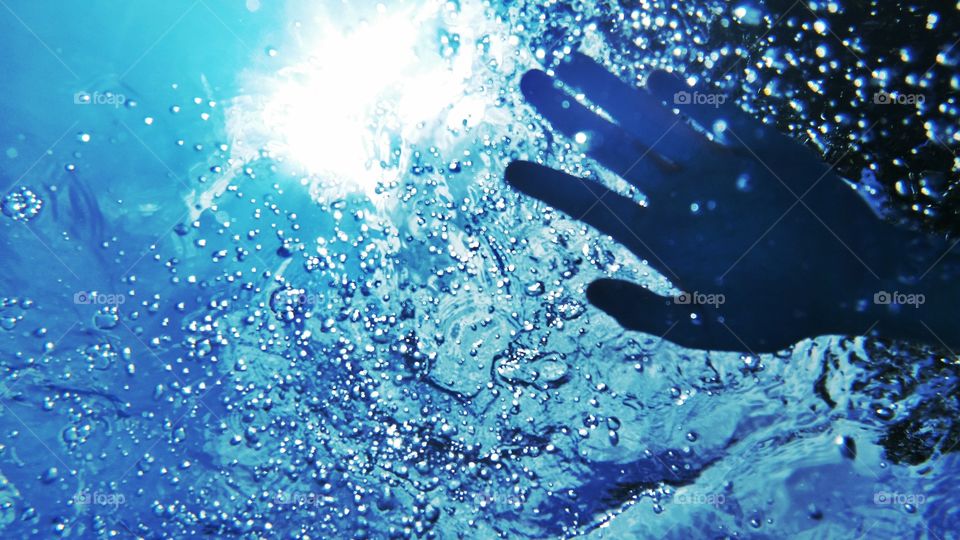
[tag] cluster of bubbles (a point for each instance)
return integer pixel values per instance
(21, 204)
(870, 85)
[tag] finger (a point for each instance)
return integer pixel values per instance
(706, 108)
(594, 204)
(606, 142)
(634, 110)
(636, 308)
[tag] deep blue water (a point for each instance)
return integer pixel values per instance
(260, 276)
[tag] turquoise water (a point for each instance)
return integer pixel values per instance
(261, 277)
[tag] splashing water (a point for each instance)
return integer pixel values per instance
(353, 329)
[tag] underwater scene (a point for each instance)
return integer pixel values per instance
(475, 269)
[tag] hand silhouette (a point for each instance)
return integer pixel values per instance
(769, 245)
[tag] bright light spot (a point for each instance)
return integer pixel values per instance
(354, 92)
(325, 107)
(580, 137)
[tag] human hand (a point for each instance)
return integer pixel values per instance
(769, 245)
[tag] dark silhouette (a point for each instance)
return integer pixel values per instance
(768, 243)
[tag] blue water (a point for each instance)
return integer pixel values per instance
(261, 277)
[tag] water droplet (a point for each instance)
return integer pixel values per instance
(883, 413)
(106, 318)
(535, 289)
(848, 447)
